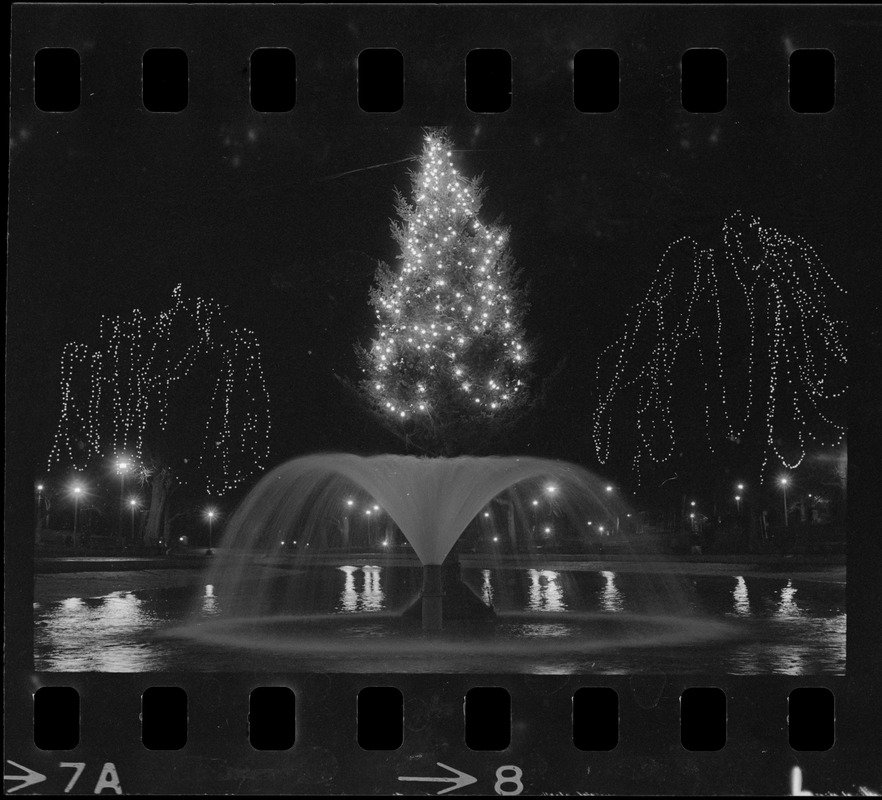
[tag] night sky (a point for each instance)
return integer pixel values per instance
(282, 217)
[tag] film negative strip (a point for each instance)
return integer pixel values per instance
(560, 485)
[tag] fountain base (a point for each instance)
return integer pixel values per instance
(445, 597)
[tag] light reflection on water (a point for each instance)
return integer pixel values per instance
(209, 602)
(486, 587)
(369, 596)
(118, 632)
(787, 607)
(77, 627)
(611, 598)
(546, 593)
(740, 598)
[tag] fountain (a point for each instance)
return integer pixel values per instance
(431, 500)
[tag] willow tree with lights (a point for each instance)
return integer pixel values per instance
(449, 369)
(178, 398)
(735, 356)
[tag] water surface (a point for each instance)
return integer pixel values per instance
(549, 621)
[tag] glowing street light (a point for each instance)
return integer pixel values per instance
(77, 491)
(38, 502)
(551, 488)
(609, 489)
(784, 481)
(211, 514)
(738, 502)
(122, 467)
(133, 504)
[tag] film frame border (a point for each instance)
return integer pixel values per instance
(857, 694)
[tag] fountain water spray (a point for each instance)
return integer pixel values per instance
(431, 500)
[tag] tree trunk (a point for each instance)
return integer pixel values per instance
(157, 518)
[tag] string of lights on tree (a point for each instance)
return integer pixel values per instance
(450, 338)
(117, 395)
(750, 327)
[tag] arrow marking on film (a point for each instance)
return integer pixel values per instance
(461, 779)
(26, 780)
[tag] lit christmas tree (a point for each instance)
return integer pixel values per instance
(449, 368)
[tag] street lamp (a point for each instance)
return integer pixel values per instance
(609, 489)
(211, 513)
(38, 503)
(122, 467)
(133, 504)
(738, 502)
(77, 491)
(784, 482)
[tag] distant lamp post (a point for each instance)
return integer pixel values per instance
(609, 489)
(738, 502)
(211, 514)
(122, 467)
(784, 482)
(38, 503)
(77, 491)
(133, 505)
